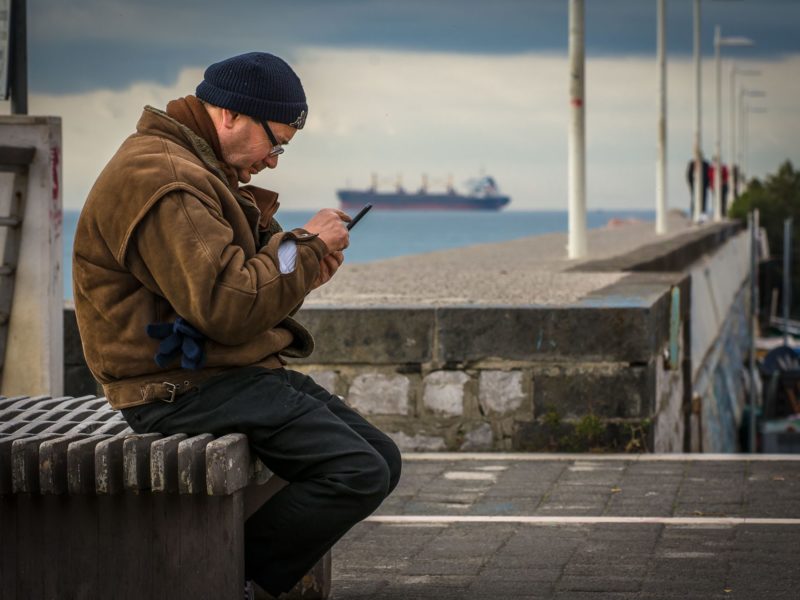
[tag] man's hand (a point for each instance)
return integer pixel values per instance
(327, 267)
(329, 224)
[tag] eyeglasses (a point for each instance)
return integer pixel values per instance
(277, 148)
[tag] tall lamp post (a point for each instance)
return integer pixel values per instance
(734, 157)
(576, 164)
(747, 110)
(661, 167)
(720, 41)
(740, 111)
(698, 153)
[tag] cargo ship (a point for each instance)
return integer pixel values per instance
(482, 194)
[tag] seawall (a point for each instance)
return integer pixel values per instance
(512, 347)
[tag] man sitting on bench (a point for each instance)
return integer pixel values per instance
(184, 288)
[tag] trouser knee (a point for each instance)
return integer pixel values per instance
(370, 483)
(394, 462)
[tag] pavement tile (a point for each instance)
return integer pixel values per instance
(594, 595)
(603, 561)
(597, 583)
(503, 588)
(445, 566)
(526, 573)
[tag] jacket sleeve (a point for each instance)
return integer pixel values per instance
(184, 251)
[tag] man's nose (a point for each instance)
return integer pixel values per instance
(272, 161)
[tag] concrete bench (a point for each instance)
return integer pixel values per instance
(89, 509)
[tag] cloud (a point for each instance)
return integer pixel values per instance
(441, 114)
(81, 45)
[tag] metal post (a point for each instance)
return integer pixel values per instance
(754, 252)
(576, 185)
(787, 277)
(18, 67)
(740, 113)
(745, 134)
(718, 142)
(732, 163)
(698, 153)
(719, 41)
(661, 165)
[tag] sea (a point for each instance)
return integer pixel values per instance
(389, 234)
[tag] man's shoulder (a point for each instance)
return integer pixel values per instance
(147, 157)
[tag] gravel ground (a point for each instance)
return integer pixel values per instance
(528, 271)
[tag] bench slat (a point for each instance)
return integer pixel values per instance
(227, 464)
(5, 463)
(192, 464)
(25, 463)
(80, 465)
(164, 463)
(53, 464)
(108, 465)
(136, 461)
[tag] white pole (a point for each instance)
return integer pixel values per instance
(698, 153)
(740, 112)
(576, 168)
(745, 137)
(661, 165)
(718, 142)
(733, 193)
(754, 256)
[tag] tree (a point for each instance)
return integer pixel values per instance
(776, 198)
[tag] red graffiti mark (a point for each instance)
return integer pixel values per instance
(55, 158)
(56, 214)
(577, 102)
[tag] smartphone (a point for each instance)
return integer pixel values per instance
(357, 218)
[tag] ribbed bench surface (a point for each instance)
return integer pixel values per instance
(89, 509)
(81, 446)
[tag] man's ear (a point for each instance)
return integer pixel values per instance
(229, 118)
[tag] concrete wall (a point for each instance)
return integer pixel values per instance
(720, 345)
(616, 370)
(492, 378)
(33, 358)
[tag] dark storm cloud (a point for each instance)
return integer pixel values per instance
(81, 45)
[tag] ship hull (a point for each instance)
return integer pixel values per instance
(351, 200)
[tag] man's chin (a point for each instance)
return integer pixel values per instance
(245, 176)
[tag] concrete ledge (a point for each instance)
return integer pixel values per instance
(379, 335)
(673, 254)
(627, 322)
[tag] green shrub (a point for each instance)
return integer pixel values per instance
(777, 198)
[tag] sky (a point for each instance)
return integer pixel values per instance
(453, 88)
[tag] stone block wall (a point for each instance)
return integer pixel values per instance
(552, 379)
(467, 409)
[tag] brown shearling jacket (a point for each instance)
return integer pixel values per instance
(162, 235)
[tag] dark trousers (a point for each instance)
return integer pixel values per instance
(339, 467)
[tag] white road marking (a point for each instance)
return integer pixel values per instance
(470, 476)
(535, 456)
(572, 520)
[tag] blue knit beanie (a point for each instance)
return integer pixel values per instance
(258, 85)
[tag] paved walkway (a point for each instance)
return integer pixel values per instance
(577, 527)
